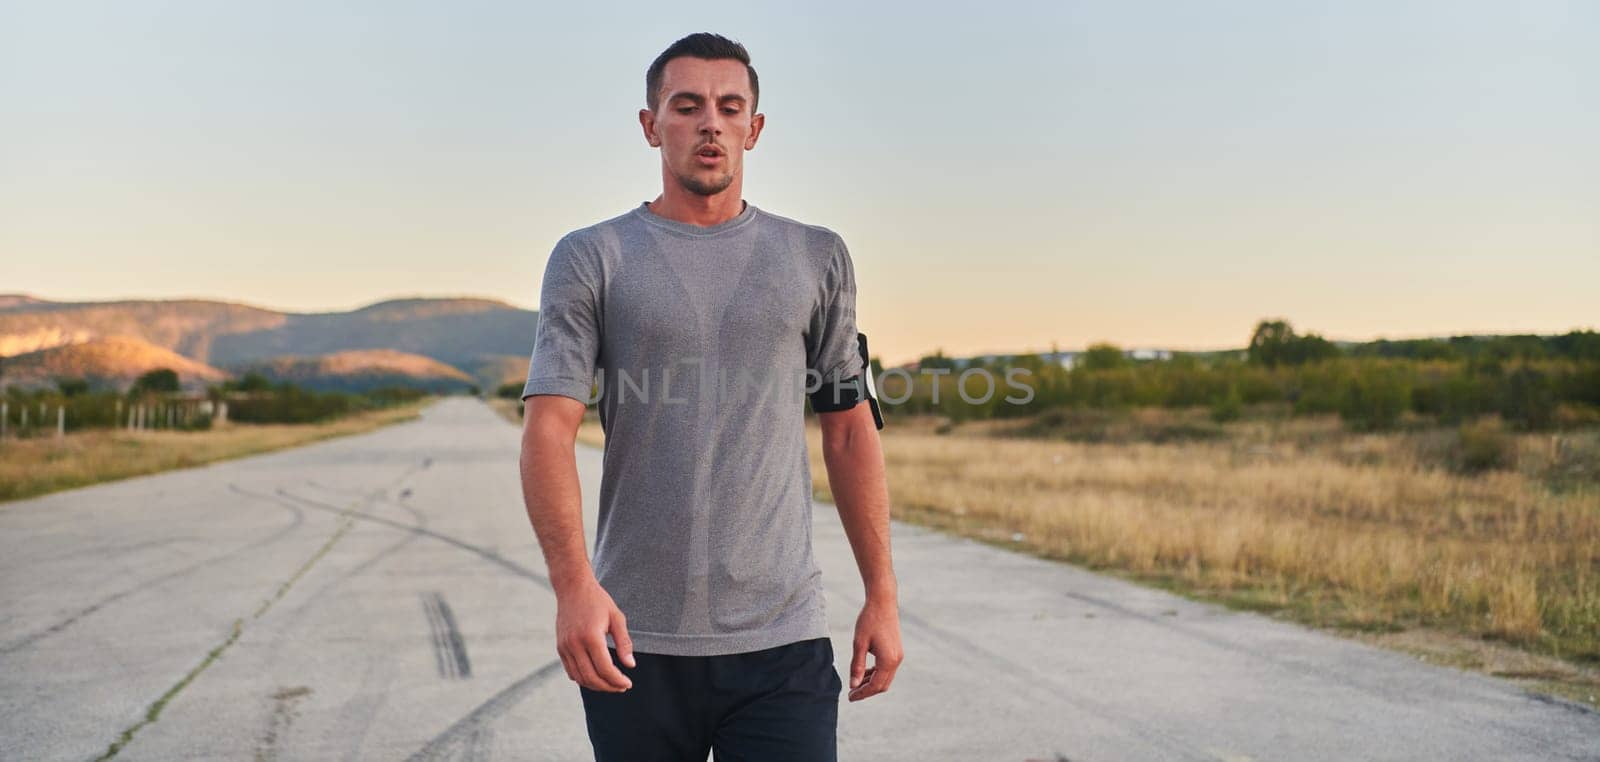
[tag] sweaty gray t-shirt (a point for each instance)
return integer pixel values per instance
(698, 342)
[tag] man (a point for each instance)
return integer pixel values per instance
(701, 625)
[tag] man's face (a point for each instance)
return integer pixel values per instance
(703, 122)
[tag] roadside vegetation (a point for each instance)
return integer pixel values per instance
(100, 436)
(1439, 496)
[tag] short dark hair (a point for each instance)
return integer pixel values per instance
(711, 47)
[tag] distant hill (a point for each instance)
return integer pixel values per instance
(360, 370)
(185, 326)
(500, 369)
(485, 339)
(459, 332)
(112, 361)
(8, 301)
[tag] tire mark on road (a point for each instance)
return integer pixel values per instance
(101, 551)
(357, 738)
(1342, 678)
(153, 713)
(469, 731)
(358, 717)
(284, 704)
(478, 550)
(449, 648)
(1030, 680)
(373, 497)
(56, 628)
(481, 745)
(463, 732)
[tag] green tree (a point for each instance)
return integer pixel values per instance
(1102, 356)
(936, 360)
(72, 387)
(1275, 343)
(1309, 348)
(253, 382)
(1375, 397)
(1528, 399)
(158, 380)
(1228, 406)
(1269, 343)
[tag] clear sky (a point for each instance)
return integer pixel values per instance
(1007, 176)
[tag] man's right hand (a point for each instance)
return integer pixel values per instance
(584, 614)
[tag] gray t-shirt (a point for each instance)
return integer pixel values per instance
(698, 341)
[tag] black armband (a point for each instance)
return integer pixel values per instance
(834, 396)
(844, 394)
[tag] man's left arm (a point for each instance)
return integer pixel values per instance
(854, 459)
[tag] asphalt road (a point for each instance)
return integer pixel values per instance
(382, 597)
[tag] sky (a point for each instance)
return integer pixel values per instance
(1008, 177)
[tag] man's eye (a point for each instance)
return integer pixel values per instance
(730, 111)
(685, 109)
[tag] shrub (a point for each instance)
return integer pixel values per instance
(158, 380)
(1528, 399)
(1484, 445)
(1375, 398)
(1227, 407)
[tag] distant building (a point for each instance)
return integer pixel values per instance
(1149, 354)
(1065, 359)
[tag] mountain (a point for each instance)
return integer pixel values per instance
(185, 326)
(109, 361)
(457, 332)
(359, 370)
(485, 339)
(495, 370)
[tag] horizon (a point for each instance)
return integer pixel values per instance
(1302, 330)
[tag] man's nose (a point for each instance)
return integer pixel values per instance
(711, 125)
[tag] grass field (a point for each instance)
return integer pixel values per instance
(31, 467)
(1382, 537)
(1363, 533)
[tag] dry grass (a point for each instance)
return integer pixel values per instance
(31, 467)
(1332, 529)
(1364, 533)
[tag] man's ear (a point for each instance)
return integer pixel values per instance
(647, 120)
(756, 123)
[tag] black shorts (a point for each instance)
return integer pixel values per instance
(777, 704)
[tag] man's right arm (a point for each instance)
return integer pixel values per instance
(585, 612)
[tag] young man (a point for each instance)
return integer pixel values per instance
(701, 320)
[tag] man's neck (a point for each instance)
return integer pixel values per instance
(695, 209)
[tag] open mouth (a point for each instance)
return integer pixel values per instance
(709, 154)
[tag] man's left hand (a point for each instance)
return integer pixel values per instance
(877, 632)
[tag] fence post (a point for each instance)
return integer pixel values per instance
(61, 421)
(3, 418)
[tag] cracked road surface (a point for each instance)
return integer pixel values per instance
(382, 596)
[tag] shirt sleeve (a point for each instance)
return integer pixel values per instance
(566, 345)
(831, 349)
